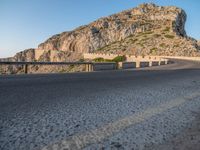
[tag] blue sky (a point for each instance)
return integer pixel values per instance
(27, 23)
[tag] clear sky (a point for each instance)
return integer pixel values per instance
(26, 23)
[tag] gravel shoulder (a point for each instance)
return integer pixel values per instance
(188, 139)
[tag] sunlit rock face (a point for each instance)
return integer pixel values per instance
(145, 30)
(198, 43)
(158, 24)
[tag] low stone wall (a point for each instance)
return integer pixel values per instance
(182, 58)
(95, 55)
(129, 58)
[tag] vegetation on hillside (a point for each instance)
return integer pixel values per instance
(116, 59)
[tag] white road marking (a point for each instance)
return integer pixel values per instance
(79, 141)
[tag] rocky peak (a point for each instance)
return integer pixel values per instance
(104, 31)
(198, 42)
(145, 30)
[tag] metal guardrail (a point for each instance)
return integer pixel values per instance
(89, 65)
(43, 63)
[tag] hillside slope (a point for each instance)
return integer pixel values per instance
(145, 30)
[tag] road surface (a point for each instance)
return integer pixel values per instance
(138, 109)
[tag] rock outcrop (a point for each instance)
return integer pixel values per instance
(198, 43)
(157, 30)
(145, 30)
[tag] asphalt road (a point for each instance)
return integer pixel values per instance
(128, 109)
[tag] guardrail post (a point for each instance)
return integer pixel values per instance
(159, 62)
(137, 64)
(89, 67)
(119, 65)
(166, 61)
(150, 63)
(26, 68)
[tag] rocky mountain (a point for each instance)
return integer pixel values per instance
(198, 43)
(145, 30)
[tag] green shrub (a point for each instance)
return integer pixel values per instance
(62, 71)
(108, 60)
(156, 35)
(133, 40)
(145, 39)
(139, 34)
(153, 50)
(141, 44)
(162, 45)
(169, 36)
(99, 59)
(177, 45)
(71, 67)
(166, 29)
(99, 49)
(148, 32)
(144, 36)
(119, 58)
(81, 60)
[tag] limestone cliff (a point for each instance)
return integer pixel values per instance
(145, 30)
(198, 43)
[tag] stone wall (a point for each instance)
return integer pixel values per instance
(129, 58)
(97, 55)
